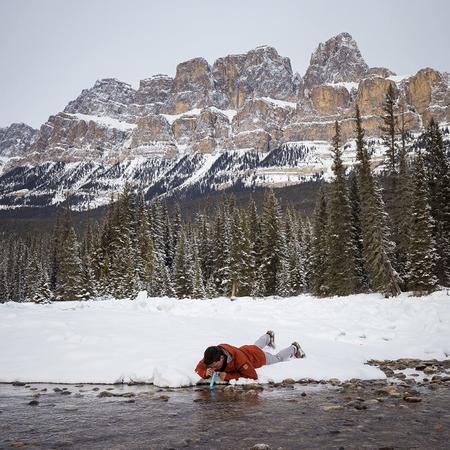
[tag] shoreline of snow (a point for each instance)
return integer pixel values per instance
(160, 340)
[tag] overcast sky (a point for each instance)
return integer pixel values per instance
(52, 49)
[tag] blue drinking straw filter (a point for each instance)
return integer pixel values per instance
(213, 379)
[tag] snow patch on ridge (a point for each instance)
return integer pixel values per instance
(280, 103)
(105, 121)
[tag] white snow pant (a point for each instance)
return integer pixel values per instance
(282, 355)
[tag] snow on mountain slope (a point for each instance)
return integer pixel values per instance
(243, 119)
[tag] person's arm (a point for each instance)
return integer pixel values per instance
(201, 369)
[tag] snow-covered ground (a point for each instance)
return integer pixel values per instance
(161, 340)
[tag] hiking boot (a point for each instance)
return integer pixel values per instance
(299, 353)
(271, 335)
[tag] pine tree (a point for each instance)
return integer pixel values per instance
(176, 228)
(242, 261)
(355, 204)
(60, 234)
(253, 230)
(33, 271)
(87, 250)
(377, 246)
(422, 253)
(181, 281)
(389, 128)
(43, 293)
(319, 264)
(283, 286)
(222, 250)
(70, 280)
(198, 287)
(271, 242)
(437, 169)
(295, 255)
(210, 288)
(145, 258)
(305, 253)
(341, 254)
(122, 274)
(402, 215)
(167, 236)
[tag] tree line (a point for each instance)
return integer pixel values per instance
(361, 238)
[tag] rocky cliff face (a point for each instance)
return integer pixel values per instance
(337, 60)
(16, 139)
(251, 102)
(261, 72)
(109, 97)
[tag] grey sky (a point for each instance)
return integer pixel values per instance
(52, 49)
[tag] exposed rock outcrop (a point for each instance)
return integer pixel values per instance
(328, 99)
(71, 137)
(371, 94)
(261, 72)
(336, 60)
(422, 87)
(247, 101)
(16, 139)
(155, 90)
(193, 86)
(380, 72)
(109, 97)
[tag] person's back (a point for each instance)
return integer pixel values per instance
(232, 362)
(237, 362)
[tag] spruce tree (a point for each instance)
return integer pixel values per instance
(181, 282)
(70, 280)
(222, 250)
(377, 246)
(341, 254)
(271, 242)
(198, 286)
(253, 230)
(145, 258)
(389, 128)
(437, 170)
(355, 204)
(402, 213)
(122, 262)
(242, 261)
(283, 285)
(422, 279)
(305, 253)
(43, 293)
(294, 252)
(319, 262)
(176, 229)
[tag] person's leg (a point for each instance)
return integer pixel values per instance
(282, 355)
(263, 341)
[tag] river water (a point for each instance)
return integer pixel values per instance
(284, 417)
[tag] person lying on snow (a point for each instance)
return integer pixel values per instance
(231, 363)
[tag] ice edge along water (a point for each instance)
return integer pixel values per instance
(160, 340)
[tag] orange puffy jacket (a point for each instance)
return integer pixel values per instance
(245, 360)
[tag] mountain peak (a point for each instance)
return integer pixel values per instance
(16, 138)
(336, 60)
(108, 96)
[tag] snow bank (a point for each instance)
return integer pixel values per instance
(160, 340)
